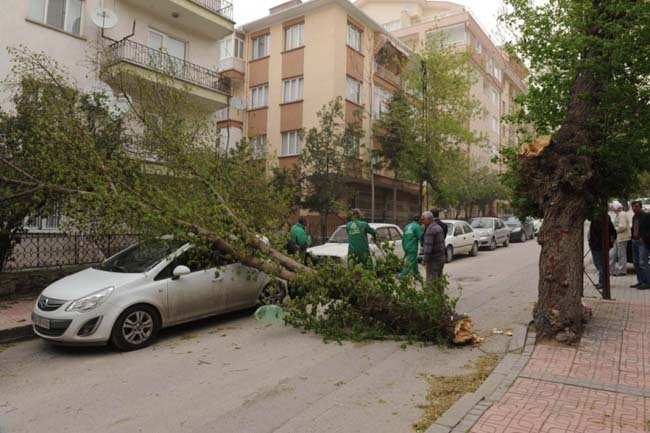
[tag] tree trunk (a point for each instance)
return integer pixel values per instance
(323, 225)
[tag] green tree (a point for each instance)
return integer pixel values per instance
(395, 131)
(588, 92)
(330, 151)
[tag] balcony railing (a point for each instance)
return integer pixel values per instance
(221, 7)
(387, 74)
(159, 61)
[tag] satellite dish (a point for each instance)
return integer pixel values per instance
(238, 103)
(104, 18)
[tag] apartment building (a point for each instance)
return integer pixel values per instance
(285, 66)
(177, 36)
(499, 78)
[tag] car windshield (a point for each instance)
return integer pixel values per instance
(481, 223)
(512, 222)
(450, 229)
(140, 257)
(340, 236)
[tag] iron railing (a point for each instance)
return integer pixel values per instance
(221, 7)
(159, 61)
(48, 250)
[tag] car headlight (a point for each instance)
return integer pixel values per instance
(91, 301)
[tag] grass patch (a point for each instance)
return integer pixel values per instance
(444, 391)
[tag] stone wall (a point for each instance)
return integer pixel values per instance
(32, 282)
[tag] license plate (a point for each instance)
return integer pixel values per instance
(42, 322)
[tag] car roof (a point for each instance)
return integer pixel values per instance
(378, 225)
(453, 221)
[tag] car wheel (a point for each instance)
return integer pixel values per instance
(272, 294)
(135, 328)
(523, 237)
(507, 241)
(450, 254)
(474, 251)
(493, 244)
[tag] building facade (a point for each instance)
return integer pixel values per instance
(499, 79)
(180, 37)
(286, 66)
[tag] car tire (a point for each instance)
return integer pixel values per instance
(272, 294)
(474, 251)
(507, 241)
(449, 254)
(493, 244)
(142, 321)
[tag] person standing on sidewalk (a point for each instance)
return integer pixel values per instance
(596, 244)
(641, 246)
(410, 242)
(618, 259)
(436, 218)
(434, 247)
(358, 248)
(300, 239)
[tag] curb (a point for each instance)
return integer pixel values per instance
(462, 416)
(22, 332)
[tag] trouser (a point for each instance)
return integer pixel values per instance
(618, 258)
(360, 258)
(597, 257)
(434, 267)
(640, 255)
(411, 265)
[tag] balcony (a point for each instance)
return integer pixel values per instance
(232, 67)
(127, 59)
(212, 18)
(388, 75)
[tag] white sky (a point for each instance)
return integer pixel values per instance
(486, 11)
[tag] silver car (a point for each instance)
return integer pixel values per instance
(491, 232)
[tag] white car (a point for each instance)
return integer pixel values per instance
(491, 231)
(128, 298)
(336, 247)
(461, 239)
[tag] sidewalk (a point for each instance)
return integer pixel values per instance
(602, 385)
(15, 319)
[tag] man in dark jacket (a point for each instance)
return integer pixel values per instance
(436, 218)
(596, 244)
(641, 246)
(434, 247)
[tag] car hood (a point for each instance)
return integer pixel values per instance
(330, 249)
(482, 231)
(84, 283)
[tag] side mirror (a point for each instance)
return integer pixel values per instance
(179, 271)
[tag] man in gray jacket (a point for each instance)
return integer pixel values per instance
(434, 247)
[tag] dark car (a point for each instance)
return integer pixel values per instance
(520, 232)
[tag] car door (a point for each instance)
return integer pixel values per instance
(396, 237)
(383, 237)
(502, 230)
(460, 239)
(472, 236)
(240, 284)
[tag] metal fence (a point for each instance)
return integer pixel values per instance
(46, 250)
(157, 60)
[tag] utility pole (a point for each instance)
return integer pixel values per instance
(425, 137)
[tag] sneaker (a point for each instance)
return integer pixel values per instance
(635, 286)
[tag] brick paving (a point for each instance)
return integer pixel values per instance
(15, 313)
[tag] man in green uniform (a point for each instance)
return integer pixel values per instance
(410, 242)
(358, 249)
(300, 239)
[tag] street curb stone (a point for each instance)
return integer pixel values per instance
(462, 416)
(17, 333)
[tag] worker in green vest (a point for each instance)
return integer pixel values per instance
(358, 248)
(299, 239)
(413, 232)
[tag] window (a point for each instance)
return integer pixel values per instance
(291, 143)
(380, 101)
(354, 90)
(394, 234)
(458, 229)
(231, 47)
(260, 96)
(451, 36)
(495, 97)
(495, 124)
(261, 46)
(352, 148)
(62, 14)
(292, 89)
(293, 37)
(258, 146)
(392, 26)
(467, 228)
(383, 235)
(479, 47)
(354, 37)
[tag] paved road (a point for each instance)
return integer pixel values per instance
(233, 374)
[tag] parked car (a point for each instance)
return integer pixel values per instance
(129, 297)
(461, 239)
(537, 225)
(519, 231)
(491, 231)
(336, 248)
